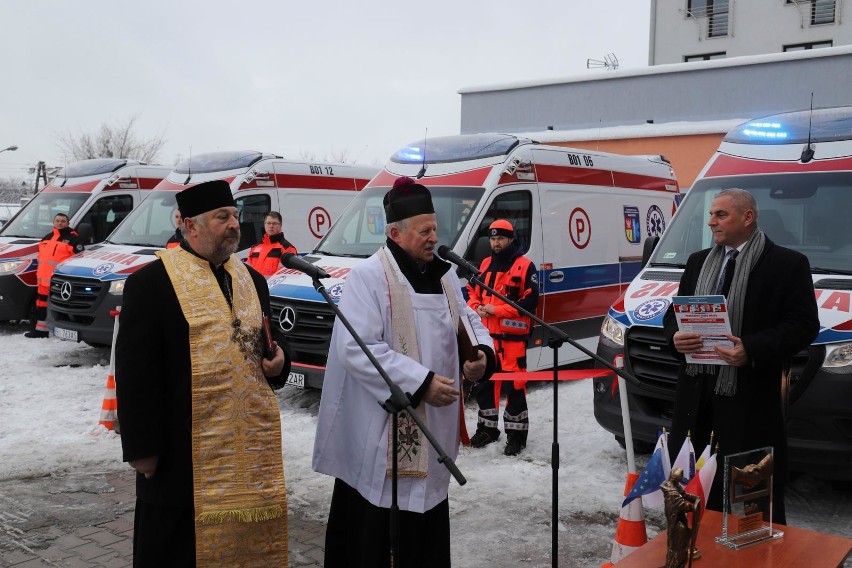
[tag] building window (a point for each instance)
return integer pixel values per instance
(704, 57)
(822, 11)
(716, 12)
(809, 45)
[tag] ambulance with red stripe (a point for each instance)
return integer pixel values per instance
(86, 288)
(581, 215)
(798, 166)
(95, 194)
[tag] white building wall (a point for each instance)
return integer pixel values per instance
(754, 27)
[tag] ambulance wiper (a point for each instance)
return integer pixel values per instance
(819, 270)
(668, 264)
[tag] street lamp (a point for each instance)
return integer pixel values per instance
(10, 148)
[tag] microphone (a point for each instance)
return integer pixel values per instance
(296, 262)
(447, 254)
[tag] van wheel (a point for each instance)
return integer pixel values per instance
(639, 446)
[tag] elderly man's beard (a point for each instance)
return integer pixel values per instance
(224, 250)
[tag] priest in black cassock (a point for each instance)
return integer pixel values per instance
(199, 421)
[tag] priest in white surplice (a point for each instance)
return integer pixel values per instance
(405, 304)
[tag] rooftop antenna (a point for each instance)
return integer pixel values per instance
(188, 167)
(808, 152)
(422, 171)
(609, 62)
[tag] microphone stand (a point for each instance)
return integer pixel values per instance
(555, 342)
(397, 402)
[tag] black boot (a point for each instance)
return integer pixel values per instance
(515, 442)
(484, 436)
(36, 334)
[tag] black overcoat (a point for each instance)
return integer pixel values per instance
(779, 319)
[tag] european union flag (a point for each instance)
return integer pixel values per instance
(650, 478)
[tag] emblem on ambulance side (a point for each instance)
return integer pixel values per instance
(632, 229)
(650, 309)
(655, 221)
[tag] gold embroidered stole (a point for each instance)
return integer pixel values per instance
(237, 469)
(412, 452)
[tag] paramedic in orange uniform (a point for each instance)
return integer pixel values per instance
(265, 257)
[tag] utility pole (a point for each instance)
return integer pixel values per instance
(41, 173)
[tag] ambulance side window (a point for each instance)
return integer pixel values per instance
(253, 209)
(105, 214)
(515, 206)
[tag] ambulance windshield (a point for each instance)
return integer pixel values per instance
(805, 212)
(36, 219)
(360, 231)
(150, 224)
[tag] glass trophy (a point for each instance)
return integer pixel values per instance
(747, 505)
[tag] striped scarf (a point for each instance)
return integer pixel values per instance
(726, 381)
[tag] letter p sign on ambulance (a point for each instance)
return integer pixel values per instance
(579, 228)
(319, 221)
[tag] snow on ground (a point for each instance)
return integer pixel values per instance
(50, 400)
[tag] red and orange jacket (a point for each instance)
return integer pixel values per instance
(512, 275)
(53, 248)
(265, 257)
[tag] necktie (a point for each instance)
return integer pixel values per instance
(727, 274)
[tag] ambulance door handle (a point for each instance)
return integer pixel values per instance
(556, 276)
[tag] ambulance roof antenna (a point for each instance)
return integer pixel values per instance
(188, 167)
(422, 171)
(808, 152)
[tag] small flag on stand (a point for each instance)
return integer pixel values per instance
(686, 460)
(655, 498)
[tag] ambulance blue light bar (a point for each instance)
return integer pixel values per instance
(219, 162)
(444, 149)
(823, 125)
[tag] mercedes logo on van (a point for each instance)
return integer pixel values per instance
(287, 319)
(65, 291)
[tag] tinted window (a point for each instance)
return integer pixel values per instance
(253, 210)
(105, 215)
(217, 162)
(150, 224)
(95, 167)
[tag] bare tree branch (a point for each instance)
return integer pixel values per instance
(119, 140)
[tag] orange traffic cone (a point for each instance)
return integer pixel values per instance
(109, 408)
(630, 533)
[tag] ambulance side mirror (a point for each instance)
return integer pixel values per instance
(648, 248)
(84, 231)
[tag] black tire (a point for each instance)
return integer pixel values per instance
(640, 447)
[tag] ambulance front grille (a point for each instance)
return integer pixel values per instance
(71, 294)
(306, 327)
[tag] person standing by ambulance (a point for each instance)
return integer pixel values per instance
(265, 257)
(61, 243)
(175, 239)
(512, 274)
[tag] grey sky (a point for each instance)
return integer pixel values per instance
(282, 76)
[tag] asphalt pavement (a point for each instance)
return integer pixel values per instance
(86, 520)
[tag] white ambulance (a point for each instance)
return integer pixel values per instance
(582, 217)
(87, 287)
(95, 194)
(798, 166)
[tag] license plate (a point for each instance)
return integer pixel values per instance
(296, 379)
(69, 334)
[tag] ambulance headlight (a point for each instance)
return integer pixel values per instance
(613, 331)
(838, 358)
(116, 287)
(12, 266)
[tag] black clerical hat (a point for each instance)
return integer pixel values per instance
(407, 199)
(205, 197)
